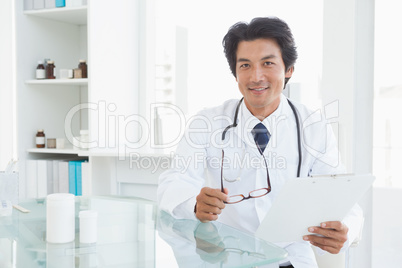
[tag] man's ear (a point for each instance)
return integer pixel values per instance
(289, 72)
(288, 75)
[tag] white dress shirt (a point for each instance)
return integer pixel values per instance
(198, 159)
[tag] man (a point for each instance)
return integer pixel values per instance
(228, 186)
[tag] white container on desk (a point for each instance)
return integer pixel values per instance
(88, 226)
(60, 218)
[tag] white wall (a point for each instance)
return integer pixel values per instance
(113, 32)
(387, 153)
(6, 82)
(348, 78)
(208, 70)
(387, 235)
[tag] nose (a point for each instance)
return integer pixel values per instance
(257, 74)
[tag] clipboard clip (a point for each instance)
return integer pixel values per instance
(333, 175)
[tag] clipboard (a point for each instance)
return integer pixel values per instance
(305, 202)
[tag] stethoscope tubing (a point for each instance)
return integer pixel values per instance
(297, 126)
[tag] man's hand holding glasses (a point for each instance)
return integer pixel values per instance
(210, 203)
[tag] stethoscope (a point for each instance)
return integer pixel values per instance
(297, 126)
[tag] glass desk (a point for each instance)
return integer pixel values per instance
(131, 233)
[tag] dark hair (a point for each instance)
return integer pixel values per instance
(270, 27)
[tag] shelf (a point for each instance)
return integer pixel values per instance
(103, 152)
(62, 82)
(131, 153)
(73, 15)
(57, 151)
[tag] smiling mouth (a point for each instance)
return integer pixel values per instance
(258, 88)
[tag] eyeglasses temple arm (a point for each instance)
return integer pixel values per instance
(266, 165)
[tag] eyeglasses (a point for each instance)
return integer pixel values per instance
(234, 247)
(253, 194)
(241, 252)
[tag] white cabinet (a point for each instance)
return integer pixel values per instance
(106, 34)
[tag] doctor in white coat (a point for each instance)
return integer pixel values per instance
(223, 171)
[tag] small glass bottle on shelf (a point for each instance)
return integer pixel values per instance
(50, 70)
(40, 139)
(40, 71)
(84, 68)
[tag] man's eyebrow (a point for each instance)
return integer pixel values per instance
(242, 60)
(269, 57)
(264, 58)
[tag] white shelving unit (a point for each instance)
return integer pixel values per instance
(59, 34)
(112, 49)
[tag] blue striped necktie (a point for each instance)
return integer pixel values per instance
(261, 136)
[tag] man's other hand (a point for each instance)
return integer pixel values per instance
(334, 234)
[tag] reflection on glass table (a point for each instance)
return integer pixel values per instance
(215, 244)
(131, 233)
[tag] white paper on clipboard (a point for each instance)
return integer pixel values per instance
(305, 202)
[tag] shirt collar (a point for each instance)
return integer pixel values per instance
(248, 121)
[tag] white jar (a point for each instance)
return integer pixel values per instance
(88, 226)
(60, 218)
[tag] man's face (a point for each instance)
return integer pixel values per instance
(261, 75)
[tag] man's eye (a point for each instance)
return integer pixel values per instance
(268, 63)
(246, 65)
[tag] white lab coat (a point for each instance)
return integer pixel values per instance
(197, 163)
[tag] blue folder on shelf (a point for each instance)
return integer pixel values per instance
(75, 177)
